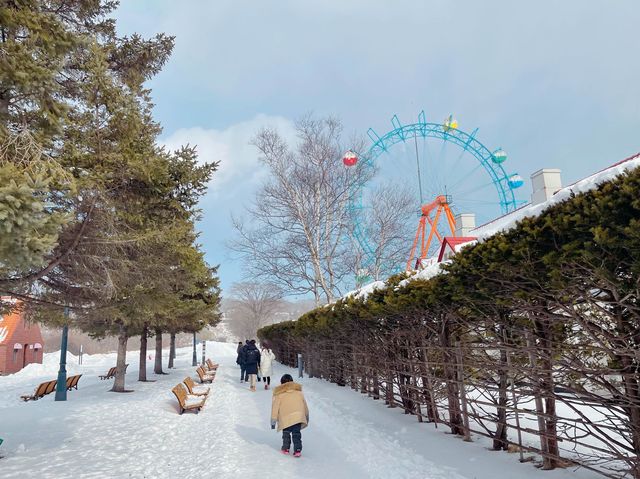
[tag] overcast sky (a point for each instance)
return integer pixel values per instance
(555, 83)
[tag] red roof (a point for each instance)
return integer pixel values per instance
(452, 242)
(8, 324)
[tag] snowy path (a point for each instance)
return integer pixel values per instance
(98, 434)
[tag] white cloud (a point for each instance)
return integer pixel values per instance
(239, 166)
(234, 184)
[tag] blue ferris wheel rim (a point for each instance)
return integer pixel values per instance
(401, 133)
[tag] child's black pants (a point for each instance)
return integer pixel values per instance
(289, 433)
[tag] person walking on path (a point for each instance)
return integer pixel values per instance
(241, 360)
(266, 365)
(252, 363)
(238, 349)
(289, 410)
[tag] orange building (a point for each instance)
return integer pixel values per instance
(20, 343)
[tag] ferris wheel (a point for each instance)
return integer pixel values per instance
(448, 170)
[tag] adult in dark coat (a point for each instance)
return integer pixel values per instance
(252, 362)
(241, 360)
(238, 350)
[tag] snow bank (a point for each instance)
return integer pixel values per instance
(428, 272)
(365, 291)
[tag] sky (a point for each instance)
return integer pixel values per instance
(556, 84)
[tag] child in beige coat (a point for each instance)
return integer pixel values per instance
(289, 410)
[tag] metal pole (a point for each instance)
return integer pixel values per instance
(61, 385)
(194, 361)
(80, 356)
(204, 348)
(300, 372)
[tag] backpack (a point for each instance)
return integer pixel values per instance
(252, 356)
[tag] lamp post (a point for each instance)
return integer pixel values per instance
(194, 361)
(204, 348)
(61, 385)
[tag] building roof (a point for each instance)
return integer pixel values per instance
(8, 324)
(452, 242)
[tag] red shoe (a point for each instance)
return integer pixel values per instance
(266, 387)
(284, 451)
(297, 454)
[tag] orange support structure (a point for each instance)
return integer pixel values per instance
(440, 204)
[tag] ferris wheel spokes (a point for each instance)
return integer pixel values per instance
(436, 174)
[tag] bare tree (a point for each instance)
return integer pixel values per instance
(389, 223)
(298, 228)
(253, 306)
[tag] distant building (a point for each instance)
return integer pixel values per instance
(20, 343)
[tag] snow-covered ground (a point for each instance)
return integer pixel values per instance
(99, 434)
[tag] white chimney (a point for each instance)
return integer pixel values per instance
(465, 222)
(546, 183)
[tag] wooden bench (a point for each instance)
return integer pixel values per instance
(72, 382)
(42, 390)
(204, 376)
(211, 365)
(187, 402)
(194, 389)
(112, 372)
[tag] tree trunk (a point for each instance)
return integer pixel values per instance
(340, 379)
(404, 379)
(427, 386)
(389, 396)
(172, 350)
(142, 369)
(535, 379)
(628, 370)
(118, 383)
(353, 381)
(547, 385)
(157, 369)
(4, 107)
(449, 365)
(632, 396)
(551, 422)
(375, 386)
(500, 438)
(462, 391)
